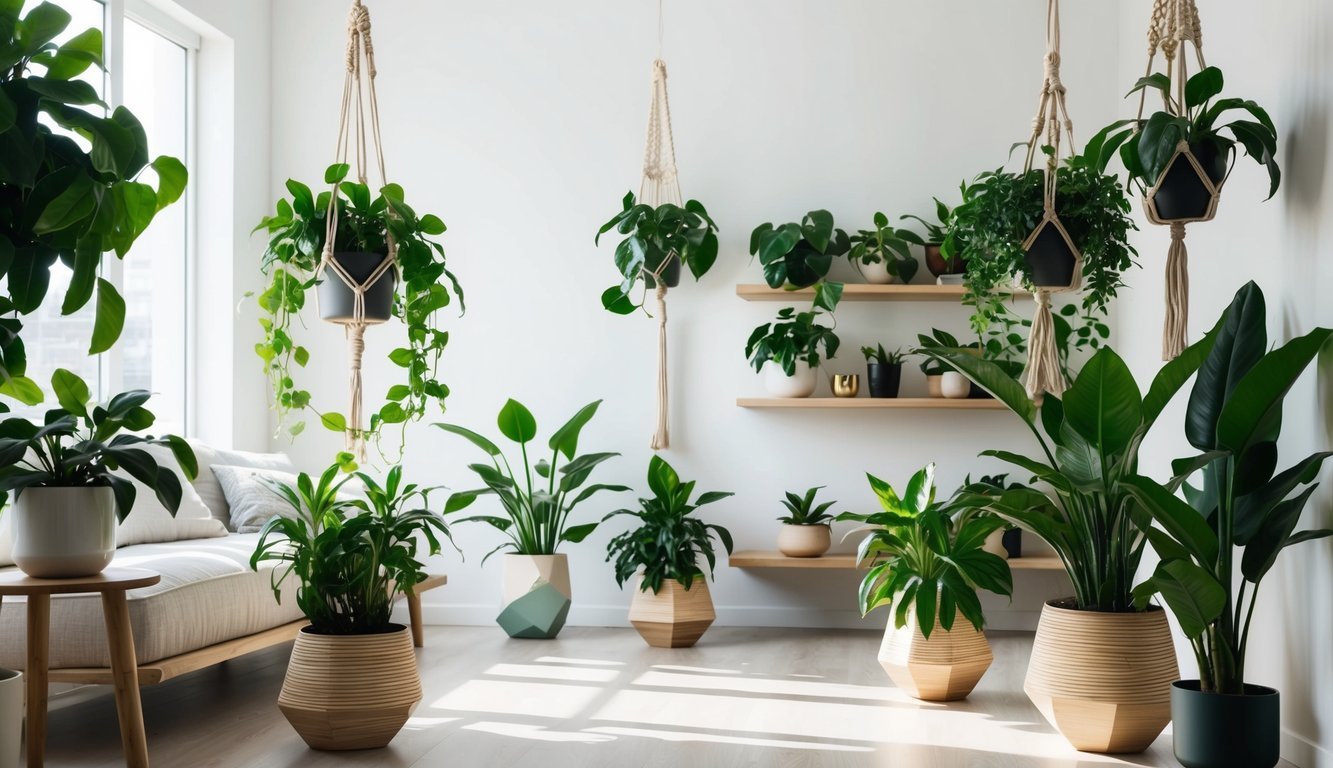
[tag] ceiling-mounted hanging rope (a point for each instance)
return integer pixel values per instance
(660, 184)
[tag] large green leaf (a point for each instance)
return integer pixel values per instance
(1268, 543)
(516, 422)
(989, 377)
(171, 180)
(1253, 412)
(1193, 594)
(40, 27)
(1253, 508)
(480, 441)
(1175, 373)
(1176, 517)
(566, 439)
(1241, 341)
(1202, 86)
(71, 392)
(83, 278)
(71, 207)
(1104, 404)
(110, 318)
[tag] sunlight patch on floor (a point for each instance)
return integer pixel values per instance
(427, 723)
(769, 685)
(702, 670)
(714, 738)
(580, 662)
(519, 698)
(539, 733)
(547, 672)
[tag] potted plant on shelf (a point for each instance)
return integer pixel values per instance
(883, 255)
(1243, 511)
(884, 370)
(941, 378)
(352, 681)
(656, 241)
(805, 528)
(798, 255)
(937, 234)
(671, 606)
(537, 501)
(414, 292)
(1006, 541)
(785, 353)
(71, 186)
(1082, 506)
(927, 565)
(70, 477)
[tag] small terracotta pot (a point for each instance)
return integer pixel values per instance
(938, 265)
(804, 540)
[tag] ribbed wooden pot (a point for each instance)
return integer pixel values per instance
(1103, 679)
(350, 691)
(945, 667)
(674, 617)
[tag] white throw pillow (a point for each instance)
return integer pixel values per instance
(149, 522)
(251, 500)
(210, 490)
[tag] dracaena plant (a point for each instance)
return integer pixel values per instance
(657, 240)
(1239, 508)
(669, 541)
(1079, 500)
(876, 354)
(366, 220)
(536, 499)
(87, 445)
(802, 510)
(793, 337)
(887, 245)
(924, 561)
(1196, 117)
(351, 557)
(798, 255)
(58, 201)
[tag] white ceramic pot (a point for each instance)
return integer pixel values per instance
(523, 572)
(803, 540)
(779, 384)
(955, 385)
(11, 717)
(64, 532)
(994, 544)
(934, 386)
(877, 273)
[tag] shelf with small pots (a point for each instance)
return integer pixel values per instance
(970, 404)
(862, 292)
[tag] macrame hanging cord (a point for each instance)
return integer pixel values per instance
(660, 185)
(1044, 373)
(1175, 23)
(359, 103)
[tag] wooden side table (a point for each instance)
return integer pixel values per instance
(111, 584)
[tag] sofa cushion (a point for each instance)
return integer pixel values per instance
(252, 500)
(210, 491)
(150, 522)
(207, 595)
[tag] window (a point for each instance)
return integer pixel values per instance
(149, 67)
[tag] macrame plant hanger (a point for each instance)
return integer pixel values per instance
(1175, 23)
(660, 185)
(358, 103)
(1043, 366)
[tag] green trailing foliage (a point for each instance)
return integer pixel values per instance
(887, 245)
(792, 337)
(536, 499)
(798, 255)
(86, 445)
(669, 541)
(802, 510)
(654, 237)
(296, 234)
(350, 556)
(59, 202)
(925, 561)
(1238, 508)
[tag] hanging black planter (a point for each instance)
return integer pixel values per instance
(1214, 730)
(337, 301)
(884, 379)
(1051, 259)
(670, 276)
(1181, 195)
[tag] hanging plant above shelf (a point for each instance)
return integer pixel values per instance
(657, 240)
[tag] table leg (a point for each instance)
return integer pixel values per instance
(414, 613)
(39, 631)
(125, 674)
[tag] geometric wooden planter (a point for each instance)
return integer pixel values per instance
(945, 667)
(674, 617)
(1103, 679)
(350, 691)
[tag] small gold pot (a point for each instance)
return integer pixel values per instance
(845, 384)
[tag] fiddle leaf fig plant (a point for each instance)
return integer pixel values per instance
(656, 241)
(365, 222)
(792, 337)
(58, 200)
(887, 245)
(798, 255)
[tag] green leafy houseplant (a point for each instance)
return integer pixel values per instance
(792, 337)
(350, 557)
(802, 510)
(60, 202)
(656, 241)
(291, 262)
(1146, 149)
(885, 245)
(1243, 510)
(83, 445)
(669, 541)
(538, 499)
(798, 255)
(877, 355)
(937, 231)
(925, 560)
(1001, 209)
(1081, 502)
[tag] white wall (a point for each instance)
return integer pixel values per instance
(1280, 58)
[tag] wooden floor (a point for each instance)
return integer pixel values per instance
(756, 698)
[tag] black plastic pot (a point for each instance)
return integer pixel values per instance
(1182, 194)
(1013, 542)
(884, 379)
(977, 393)
(337, 301)
(1213, 730)
(670, 274)
(1050, 259)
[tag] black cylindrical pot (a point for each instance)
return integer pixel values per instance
(670, 273)
(1214, 730)
(1050, 259)
(1181, 194)
(884, 379)
(938, 265)
(337, 301)
(1013, 542)
(977, 393)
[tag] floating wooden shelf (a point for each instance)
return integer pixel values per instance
(861, 292)
(756, 558)
(966, 404)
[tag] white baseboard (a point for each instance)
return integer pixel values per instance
(1303, 753)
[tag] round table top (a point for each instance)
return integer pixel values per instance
(110, 580)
